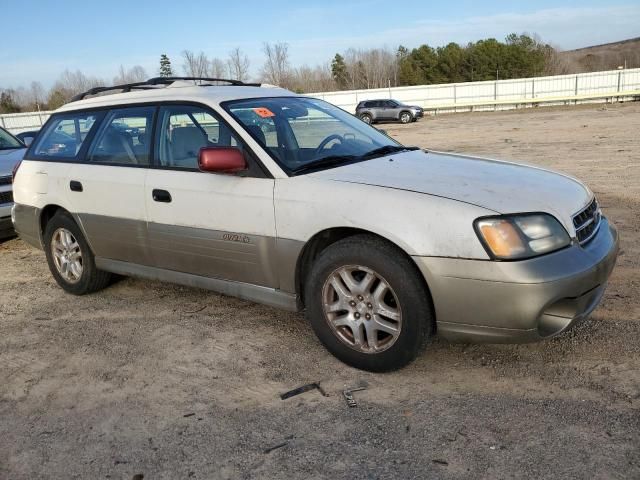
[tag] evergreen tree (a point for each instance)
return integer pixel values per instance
(8, 103)
(339, 71)
(165, 66)
(519, 56)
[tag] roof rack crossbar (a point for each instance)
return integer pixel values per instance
(147, 84)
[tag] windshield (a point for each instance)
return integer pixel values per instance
(8, 141)
(304, 134)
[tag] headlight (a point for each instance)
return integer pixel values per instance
(521, 236)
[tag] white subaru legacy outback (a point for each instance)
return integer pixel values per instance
(289, 201)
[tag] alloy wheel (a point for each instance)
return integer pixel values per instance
(67, 255)
(362, 309)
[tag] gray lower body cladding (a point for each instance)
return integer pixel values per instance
(524, 301)
(474, 300)
(252, 267)
(256, 293)
(26, 222)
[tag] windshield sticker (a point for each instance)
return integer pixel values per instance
(264, 112)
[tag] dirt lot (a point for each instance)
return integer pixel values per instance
(171, 382)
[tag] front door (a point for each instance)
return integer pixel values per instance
(213, 225)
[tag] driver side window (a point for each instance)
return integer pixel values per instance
(184, 130)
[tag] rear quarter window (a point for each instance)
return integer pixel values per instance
(65, 134)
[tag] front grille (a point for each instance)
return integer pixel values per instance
(6, 180)
(587, 222)
(6, 197)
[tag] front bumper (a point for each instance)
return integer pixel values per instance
(6, 226)
(418, 113)
(521, 301)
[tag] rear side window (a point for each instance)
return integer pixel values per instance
(65, 135)
(184, 130)
(125, 137)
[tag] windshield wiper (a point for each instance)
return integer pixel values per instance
(330, 161)
(386, 150)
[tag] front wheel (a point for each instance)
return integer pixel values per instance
(405, 117)
(367, 304)
(366, 118)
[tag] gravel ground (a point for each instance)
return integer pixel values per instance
(150, 380)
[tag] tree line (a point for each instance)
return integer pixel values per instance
(518, 56)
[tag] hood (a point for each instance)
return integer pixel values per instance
(8, 160)
(502, 187)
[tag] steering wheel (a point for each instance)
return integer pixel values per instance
(325, 142)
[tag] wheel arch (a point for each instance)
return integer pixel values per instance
(327, 237)
(47, 213)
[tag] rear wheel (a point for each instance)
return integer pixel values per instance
(367, 304)
(366, 118)
(70, 259)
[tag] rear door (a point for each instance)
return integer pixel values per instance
(207, 224)
(106, 189)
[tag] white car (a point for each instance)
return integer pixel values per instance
(290, 201)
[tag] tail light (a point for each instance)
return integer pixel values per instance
(15, 171)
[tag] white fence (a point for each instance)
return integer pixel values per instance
(23, 122)
(458, 97)
(501, 94)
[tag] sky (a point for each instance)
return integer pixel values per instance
(42, 38)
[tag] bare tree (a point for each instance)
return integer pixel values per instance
(78, 82)
(238, 64)
(195, 65)
(37, 95)
(132, 75)
(276, 68)
(69, 84)
(217, 68)
(372, 68)
(306, 79)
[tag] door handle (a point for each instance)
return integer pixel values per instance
(75, 186)
(161, 196)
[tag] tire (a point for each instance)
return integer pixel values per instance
(63, 232)
(406, 117)
(343, 326)
(366, 118)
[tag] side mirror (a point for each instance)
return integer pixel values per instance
(221, 160)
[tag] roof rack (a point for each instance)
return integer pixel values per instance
(157, 81)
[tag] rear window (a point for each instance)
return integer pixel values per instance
(65, 134)
(125, 137)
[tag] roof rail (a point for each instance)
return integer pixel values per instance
(157, 81)
(164, 80)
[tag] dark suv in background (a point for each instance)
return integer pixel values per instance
(370, 111)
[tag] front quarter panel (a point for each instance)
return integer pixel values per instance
(420, 224)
